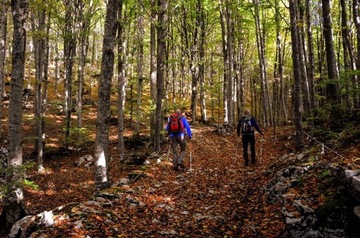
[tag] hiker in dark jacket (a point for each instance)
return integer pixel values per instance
(178, 138)
(246, 126)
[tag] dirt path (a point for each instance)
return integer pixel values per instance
(219, 197)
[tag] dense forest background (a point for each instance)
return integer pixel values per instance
(289, 62)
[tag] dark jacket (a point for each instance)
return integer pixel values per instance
(253, 124)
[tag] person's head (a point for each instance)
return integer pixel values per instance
(178, 111)
(247, 112)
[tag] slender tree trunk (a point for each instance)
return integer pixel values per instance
(305, 99)
(139, 66)
(347, 52)
(13, 208)
(39, 27)
(225, 60)
(161, 55)
(265, 102)
(153, 70)
(299, 141)
(202, 66)
(3, 28)
(107, 69)
(229, 70)
(332, 88)
(57, 67)
(122, 47)
(69, 54)
(84, 20)
(311, 65)
(278, 69)
(356, 17)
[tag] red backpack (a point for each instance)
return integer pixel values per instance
(175, 124)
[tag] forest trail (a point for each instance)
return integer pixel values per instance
(219, 197)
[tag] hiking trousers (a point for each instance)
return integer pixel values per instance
(246, 140)
(178, 157)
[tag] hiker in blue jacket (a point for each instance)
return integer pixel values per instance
(178, 128)
(246, 126)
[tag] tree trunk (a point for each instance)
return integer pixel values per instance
(122, 47)
(85, 21)
(38, 28)
(299, 141)
(202, 66)
(153, 70)
(356, 17)
(161, 55)
(332, 88)
(3, 28)
(139, 66)
(305, 99)
(107, 69)
(69, 54)
(260, 34)
(310, 47)
(225, 60)
(13, 208)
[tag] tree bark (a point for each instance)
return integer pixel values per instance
(161, 55)
(107, 69)
(13, 208)
(139, 66)
(153, 70)
(299, 142)
(3, 33)
(69, 54)
(122, 48)
(356, 17)
(39, 27)
(311, 56)
(332, 88)
(260, 41)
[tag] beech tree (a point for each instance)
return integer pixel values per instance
(332, 86)
(13, 202)
(3, 26)
(160, 56)
(103, 115)
(38, 22)
(294, 17)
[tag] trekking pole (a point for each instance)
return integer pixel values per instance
(190, 147)
(236, 148)
(261, 148)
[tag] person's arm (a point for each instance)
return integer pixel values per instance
(256, 125)
(187, 127)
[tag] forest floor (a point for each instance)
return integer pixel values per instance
(214, 196)
(217, 197)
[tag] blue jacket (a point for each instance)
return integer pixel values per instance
(253, 124)
(186, 126)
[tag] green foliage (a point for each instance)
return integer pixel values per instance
(20, 172)
(335, 122)
(329, 118)
(335, 200)
(79, 136)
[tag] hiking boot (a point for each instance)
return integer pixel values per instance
(253, 161)
(246, 163)
(182, 165)
(175, 168)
